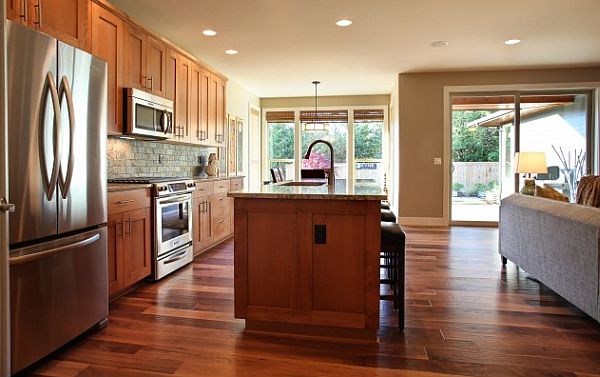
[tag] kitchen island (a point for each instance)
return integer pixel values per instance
(307, 258)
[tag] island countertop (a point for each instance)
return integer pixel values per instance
(344, 190)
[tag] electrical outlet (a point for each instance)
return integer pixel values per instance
(161, 158)
(437, 160)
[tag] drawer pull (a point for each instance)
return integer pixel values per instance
(125, 201)
(222, 222)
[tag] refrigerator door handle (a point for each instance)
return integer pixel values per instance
(65, 183)
(34, 256)
(50, 183)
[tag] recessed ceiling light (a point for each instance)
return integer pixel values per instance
(439, 44)
(231, 52)
(209, 32)
(343, 22)
(512, 41)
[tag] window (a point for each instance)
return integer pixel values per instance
(281, 140)
(368, 145)
(356, 134)
(331, 126)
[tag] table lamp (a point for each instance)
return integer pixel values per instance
(530, 163)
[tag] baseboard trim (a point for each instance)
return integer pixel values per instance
(423, 221)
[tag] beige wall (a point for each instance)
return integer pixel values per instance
(325, 101)
(421, 119)
(238, 99)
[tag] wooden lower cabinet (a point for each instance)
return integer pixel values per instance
(221, 216)
(308, 265)
(129, 247)
(201, 223)
(213, 212)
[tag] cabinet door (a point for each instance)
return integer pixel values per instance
(171, 76)
(195, 105)
(67, 20)
(205, 81)
(134, 57)
(156, 69)
(182, 98)
(221, 216)
(136, 246)
(221, 126)
(342, 252)
(107, 43)
(115, 253)
(16, 10)
(201, 223)
(216, 111)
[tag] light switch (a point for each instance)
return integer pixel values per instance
(437, 160)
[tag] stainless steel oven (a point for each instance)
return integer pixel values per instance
(148, 115)
(173, 226)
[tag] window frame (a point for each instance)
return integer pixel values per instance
(298, 153)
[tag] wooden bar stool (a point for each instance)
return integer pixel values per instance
(393, 250)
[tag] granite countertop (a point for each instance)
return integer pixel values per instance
(112, 187)
(353, 190)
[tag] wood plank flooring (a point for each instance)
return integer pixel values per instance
(466, 316)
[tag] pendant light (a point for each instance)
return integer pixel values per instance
(314, 124)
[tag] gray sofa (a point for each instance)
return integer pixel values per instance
(557, 243)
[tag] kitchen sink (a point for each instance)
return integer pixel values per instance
(303, 183)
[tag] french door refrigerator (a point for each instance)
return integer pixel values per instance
(57, 113)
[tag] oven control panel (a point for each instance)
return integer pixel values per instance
(169, 188)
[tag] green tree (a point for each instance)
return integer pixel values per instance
(474, 143)
(281, 141)
(368, 140)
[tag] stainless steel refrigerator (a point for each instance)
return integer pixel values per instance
(57, 113)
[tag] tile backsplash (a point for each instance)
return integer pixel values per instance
(138, 158)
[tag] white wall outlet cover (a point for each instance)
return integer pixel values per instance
(437, 160)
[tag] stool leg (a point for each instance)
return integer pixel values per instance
(401, 288)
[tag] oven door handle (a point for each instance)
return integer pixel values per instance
(175, 199)
(175, 257)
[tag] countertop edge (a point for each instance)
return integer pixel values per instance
(115, 187)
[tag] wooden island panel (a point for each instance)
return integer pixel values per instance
(287, 282)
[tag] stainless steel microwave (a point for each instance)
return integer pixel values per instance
(148, 115)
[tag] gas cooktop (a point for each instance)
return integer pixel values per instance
(146, 180)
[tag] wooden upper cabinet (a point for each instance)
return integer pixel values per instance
(134, 57)
(195, 105)
(156, 70)
(107, 43)
(17, 11)
(216, 110)
(182, 98)
(67, 20)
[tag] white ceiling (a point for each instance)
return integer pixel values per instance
(285, 44)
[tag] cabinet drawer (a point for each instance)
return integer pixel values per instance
(121, 201)
(203, 188)
(221, 229)
(237, 184)
(222, 186)
(220, 207)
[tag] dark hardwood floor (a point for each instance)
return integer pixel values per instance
(466, 315)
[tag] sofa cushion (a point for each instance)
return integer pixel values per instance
(550, 193)
(588, 191)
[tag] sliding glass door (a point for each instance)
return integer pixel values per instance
(487, 132)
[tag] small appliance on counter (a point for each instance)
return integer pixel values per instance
(201, 169)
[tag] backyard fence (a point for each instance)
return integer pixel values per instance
(473, 176)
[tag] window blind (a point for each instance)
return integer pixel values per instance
(280, 116)
(324, 116)
(368, 115)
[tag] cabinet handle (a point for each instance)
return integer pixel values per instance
(222, 222)
(143, 82)
(151, 83)
(125, 202)
(23, 14)
(123, 233)
(38, 13)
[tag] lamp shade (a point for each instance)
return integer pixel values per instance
(530, 162)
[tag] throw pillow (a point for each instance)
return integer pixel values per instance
(550, 193)
(588, 191)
